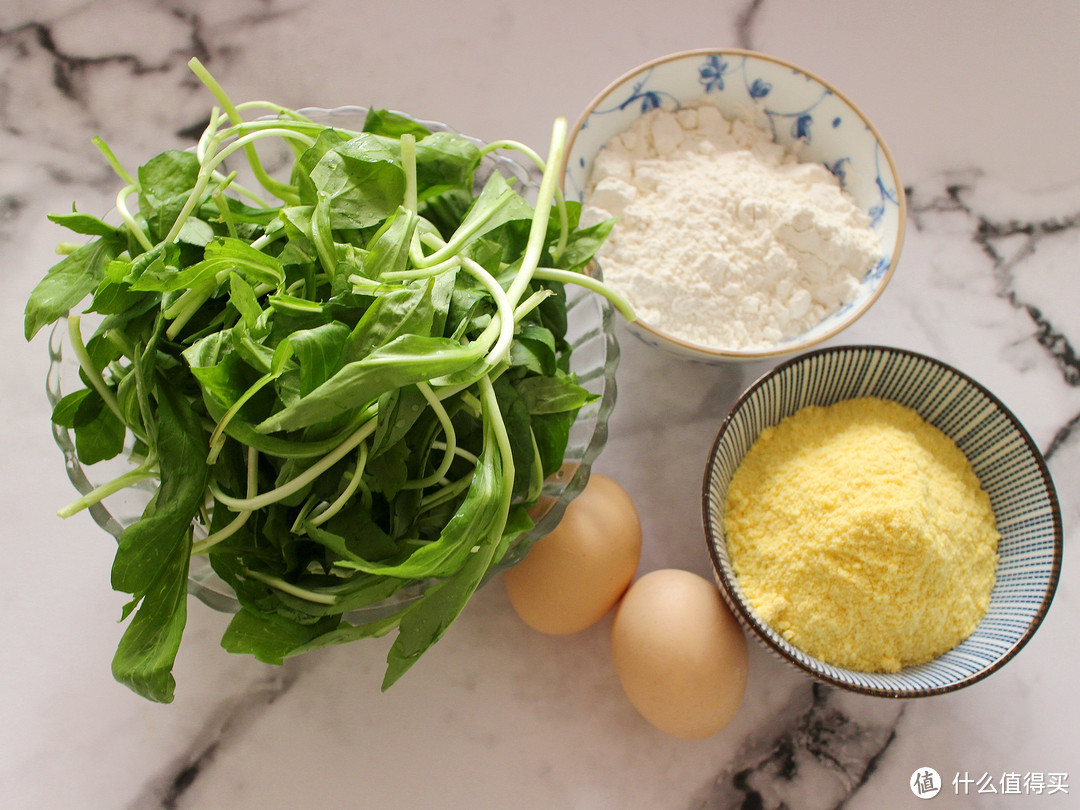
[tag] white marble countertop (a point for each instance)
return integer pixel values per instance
(980, 103)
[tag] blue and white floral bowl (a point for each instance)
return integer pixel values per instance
(803, 113)
(1004, 457)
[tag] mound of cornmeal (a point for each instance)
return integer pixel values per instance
(860, 533)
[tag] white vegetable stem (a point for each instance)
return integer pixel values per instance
(89, 369)
(560, 202)
(211, 540)
(544, 198)
(304, 478)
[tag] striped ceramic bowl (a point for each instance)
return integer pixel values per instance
(1002, 454)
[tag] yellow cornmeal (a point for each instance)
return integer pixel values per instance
(861, 534)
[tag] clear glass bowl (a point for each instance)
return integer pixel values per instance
(594, 359)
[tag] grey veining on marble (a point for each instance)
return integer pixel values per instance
(229, 724)
(978, 105)
(821, 755)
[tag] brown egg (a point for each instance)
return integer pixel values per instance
(573, 576)
(679, 653)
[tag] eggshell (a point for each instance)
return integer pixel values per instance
(573, 576)
(679, 653)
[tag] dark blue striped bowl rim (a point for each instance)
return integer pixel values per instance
(1008, 463)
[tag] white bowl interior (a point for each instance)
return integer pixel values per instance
(1002, 454)
(803, 112)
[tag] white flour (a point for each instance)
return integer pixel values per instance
(723, 238)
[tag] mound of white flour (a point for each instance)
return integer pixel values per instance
(722, 237)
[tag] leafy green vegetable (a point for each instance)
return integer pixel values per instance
(70, 281)
(351, 390)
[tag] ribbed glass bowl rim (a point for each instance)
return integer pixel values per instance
(560, 489)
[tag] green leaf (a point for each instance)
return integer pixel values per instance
(166, 522)
(553, 394)
(393, 125)
(388, 250)
(582, 245)
(309, 159)
(478, 512)
(496, 205)
(398, 411)
(516, 422)
(165, 183)
(425, 622)
(68, 282)
(406, 311)
(318, 352)
(239, 212)
(154, 271)
(66, 412)
(445, 160)
(390, 471)
(223, 255)
(147, 651)
(196, 232)
(99, 433)
(112, 298)
(405, 360)
(270, 638)
(242, 297)
(552, 310)
(346, 633)
(552, 432)
(221, 372)
(535, 349)
(152, 557)
(250, 346)
(85, 224)
(362, 180)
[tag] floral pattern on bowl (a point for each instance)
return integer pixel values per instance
(803, 113)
